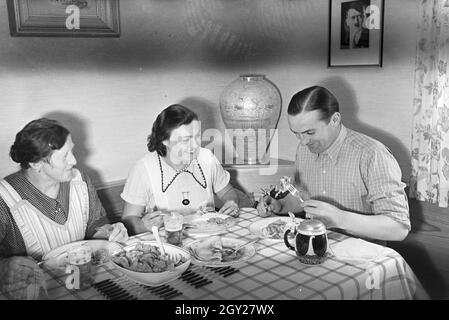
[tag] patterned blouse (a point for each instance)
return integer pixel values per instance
(11, 240)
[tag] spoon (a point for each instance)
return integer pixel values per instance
(234, 252)
(155, 231)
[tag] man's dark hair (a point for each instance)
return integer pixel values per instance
(314, 98)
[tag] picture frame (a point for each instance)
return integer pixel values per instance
(48, 18)
(355, 37)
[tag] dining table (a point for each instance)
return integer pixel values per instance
(272, 273)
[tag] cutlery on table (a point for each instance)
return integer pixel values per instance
(234, 251)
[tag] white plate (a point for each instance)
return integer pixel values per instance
(257, 227)
(248, 252)
(205, 228)
(57, 258)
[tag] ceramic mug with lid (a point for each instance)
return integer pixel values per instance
(310, 242)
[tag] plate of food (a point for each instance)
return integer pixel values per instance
(217, 251)
(144, 263)
(211, 223)
(57, 259)
(272, 228)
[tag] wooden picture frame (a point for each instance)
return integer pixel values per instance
(48, 18)
(356, 33)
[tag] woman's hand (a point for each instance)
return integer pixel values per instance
(230, 208)
(118, 233)
(153, 219)
(20, 278)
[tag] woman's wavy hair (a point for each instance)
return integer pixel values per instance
(169, 119)
(37, 140)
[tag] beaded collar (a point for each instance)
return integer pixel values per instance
(178, 172)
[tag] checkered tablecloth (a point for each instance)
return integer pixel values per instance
(274, 272)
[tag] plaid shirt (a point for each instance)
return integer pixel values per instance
(356, 173)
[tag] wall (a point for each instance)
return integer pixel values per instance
(108, 91)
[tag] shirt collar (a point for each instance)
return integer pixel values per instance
(170, 174)
(334, 150)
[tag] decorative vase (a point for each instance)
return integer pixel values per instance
(250, 107)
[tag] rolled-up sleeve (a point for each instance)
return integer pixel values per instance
(386, 191)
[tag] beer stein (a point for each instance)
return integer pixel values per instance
(310, 241)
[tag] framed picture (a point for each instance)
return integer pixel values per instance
(64, 18)
(355, 33)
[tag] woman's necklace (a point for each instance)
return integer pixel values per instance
(178, 172)
(185, 198)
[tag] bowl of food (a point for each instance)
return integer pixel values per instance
(144, 263)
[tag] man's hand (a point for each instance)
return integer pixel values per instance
(230, 208)
(267, 206)
(20, 278)
(330, 215)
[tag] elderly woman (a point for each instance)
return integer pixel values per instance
(47, 204)
(177, 174)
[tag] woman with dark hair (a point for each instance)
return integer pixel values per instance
(47, 204)
(177, 174)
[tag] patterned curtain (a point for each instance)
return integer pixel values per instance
(430, 138)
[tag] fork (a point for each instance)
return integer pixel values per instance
(234, 251)
(172, 259)
(294, 192)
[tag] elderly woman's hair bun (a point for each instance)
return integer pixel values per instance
(37, 140)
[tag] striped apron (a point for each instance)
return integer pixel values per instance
(40, 233)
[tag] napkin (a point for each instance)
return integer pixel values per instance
(356, 250)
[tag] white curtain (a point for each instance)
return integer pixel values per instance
(430, 138)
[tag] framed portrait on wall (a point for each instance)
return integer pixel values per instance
(355, 33)
(64, 18)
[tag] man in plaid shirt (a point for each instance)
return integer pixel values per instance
(352, 181)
